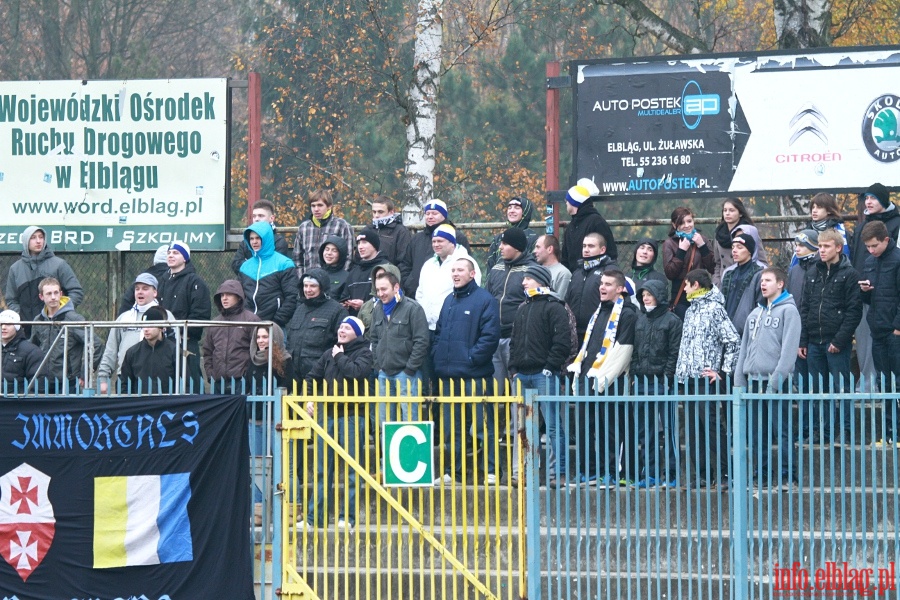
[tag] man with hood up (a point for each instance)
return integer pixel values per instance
(58, 309)
(263, 212)
(333, 256)
(37, 263)
(519, 211)
(643, 261)
(768, 352)
(657, 337)
(121, 339)
(419, 250)
(740, 281)
(313, 328)
(226, 350)
(19, 359)
(268, 277)
(585, 220)
(707, 355)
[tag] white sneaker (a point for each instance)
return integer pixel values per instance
(302, 525)
(490, 479)
(343, 525)
(444, 479)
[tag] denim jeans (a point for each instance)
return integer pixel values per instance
(886, 352)
(399, 385)
(556, 417)
(347, 431)
(834, 372)
(452, 421)
(768, 420)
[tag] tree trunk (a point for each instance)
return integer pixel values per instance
(802, 23)
(421, 126)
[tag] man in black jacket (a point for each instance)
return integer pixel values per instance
(359, 281)
(504, 282)
(541, 342)
(585, 220)
(394, 235)
(340, 371)
(880, 285)
(419, 249)
(583, 295)
(830, 311)
(20, 358)
(149, 365)
(878, 207)
(312, 329)
(657, 337)
(184, 293)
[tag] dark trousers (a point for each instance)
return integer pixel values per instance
(828, 373)
(656, 445)
(457, 418)
(767, 424)
(705, 433)
(886, 353)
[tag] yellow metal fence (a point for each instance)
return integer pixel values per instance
(374, 508)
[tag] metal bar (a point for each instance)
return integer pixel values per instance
(739, 519)
(531, 495)
(551, 181)
(254, 130)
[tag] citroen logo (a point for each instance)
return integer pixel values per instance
(808, 119)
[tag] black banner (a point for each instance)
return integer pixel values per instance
(107, 498)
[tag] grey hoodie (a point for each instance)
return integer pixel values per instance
(769, 344)
(27, 272)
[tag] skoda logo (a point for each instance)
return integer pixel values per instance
(879, 128)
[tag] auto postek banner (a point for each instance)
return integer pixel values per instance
(106, 498)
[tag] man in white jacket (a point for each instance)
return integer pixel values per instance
(435, 282)
(122, 338)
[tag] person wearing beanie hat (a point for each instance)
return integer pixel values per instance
(37, 263)
(740, 281)
(504, 282)
(342, 370)
(185, 294)
(394, 235)
(321, 224)
(19, 358)
(519, 211)
(359, 280)
(120, 339)
(149, 365)
(313, 328)
(540, 275)
(263, 212)
(806, 254)
(542, 340)
(643, 261)
(157, 270)
(585, 220)
(419, 250)
(435, 278)
(877, 206)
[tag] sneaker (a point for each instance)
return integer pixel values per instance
(304, 525)
(446, 478)
(587, 479)
(559, 482)
(489, 479)
(645, 484)
(669, 484)
(343, 525)
(625, 482)
(607, 481)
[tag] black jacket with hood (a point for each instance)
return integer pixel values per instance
(504, 282)
(313, 328)
(343, 374)
(359, 280)
(43, 337)
(541, 336)
(19, 362)
(186, 296)
(337, 274)
(657, 336)
(883, 272)
(531, 236)
(586, 220)
(583, 295)
(646, 272)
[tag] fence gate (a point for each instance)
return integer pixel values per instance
(403, 499)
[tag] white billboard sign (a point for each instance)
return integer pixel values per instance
(825, 120)
(114, 165)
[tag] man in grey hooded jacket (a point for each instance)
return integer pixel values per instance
(38, 262)
(765, 363)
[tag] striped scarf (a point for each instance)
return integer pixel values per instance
(538, 291)
(609, 336)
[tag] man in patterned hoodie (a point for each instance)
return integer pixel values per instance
(707, 355)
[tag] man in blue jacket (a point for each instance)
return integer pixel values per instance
(268, 277)
(465, 339)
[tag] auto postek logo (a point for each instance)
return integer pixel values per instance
(879, 128)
